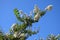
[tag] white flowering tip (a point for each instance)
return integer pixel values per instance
(15, 34)
(14, 25)
(37, 16)
(49, 7)
(35, 9)
(20, 11)
(57, 36)
(22, 34)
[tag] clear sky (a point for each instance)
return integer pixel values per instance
(49, 23)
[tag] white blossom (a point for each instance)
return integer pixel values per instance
(49, 7)
(57, 36)
(35, 10)
(13, 26)
(22, 35)
(37, 16)
(15, 34)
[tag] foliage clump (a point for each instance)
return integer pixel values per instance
(22, 30)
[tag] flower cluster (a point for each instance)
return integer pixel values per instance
(49, 7)
(14, 26)
(36, 11)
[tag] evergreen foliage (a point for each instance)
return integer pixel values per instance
(22, 31)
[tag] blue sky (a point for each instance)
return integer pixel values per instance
(49, 23)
